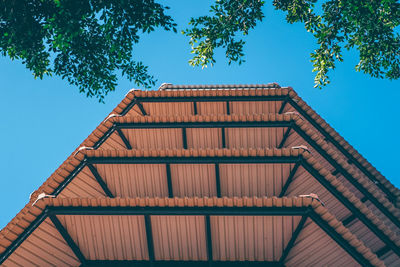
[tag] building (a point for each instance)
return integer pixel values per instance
(210, 176)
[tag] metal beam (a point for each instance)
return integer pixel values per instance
(141, 108)
(283, 105)
(285, 137)
(212, 211)
(100, 180)
(218, 180)
(349, 205)
(349, 219)
(149, 237)
(170, 263)
(335, 172)
(69, 178)
(124, 139)
(184, 138)
(71, 243)
(339, 239)
(211, 98)
(290, 178)
(169, 181)
(21, 237)
(295, 234)
(204, 124)
(194, 108)
(104, 137)
(208, 240)
(382, 251)
(223, 137)
(192, 160)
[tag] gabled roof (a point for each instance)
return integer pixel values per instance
(311, 212)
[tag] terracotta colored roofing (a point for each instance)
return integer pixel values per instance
(103, 129)
(257, 90)
(34, 211)
(70, 167)
(119, 115)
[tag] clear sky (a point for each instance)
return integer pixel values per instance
(43, 121)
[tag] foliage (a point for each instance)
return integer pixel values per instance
(369, 26)
(88, 42)
(85, 42)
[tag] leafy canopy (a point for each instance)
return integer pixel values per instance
(88, 42)
(85, 41)
(366, 25)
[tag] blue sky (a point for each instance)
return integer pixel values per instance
(43, 121)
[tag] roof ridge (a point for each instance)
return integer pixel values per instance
(170, 86)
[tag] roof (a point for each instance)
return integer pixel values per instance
(364, 199)
(197, 206)
(106, 129)
(99, 156)
(274, 90)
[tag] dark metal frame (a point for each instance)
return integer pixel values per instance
(305, 212)
(184, 263)
(291, 125)
(71, 243)
(236, 160)
(285, 100)
(123, 138)
(100, 180)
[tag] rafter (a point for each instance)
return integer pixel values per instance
(290, 178)
(184, 138)
(292, 240)
(71, 243)
(149, 238)
(124, 139)
(285, 137)
(140, 105)
(218, 180)
(223, 141)
(169, 180)
(100, 180)
(228, 110)
(283, 105)
(194, 108)
(208, 240)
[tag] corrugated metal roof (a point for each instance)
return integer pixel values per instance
(116, 237)
(201, 157)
